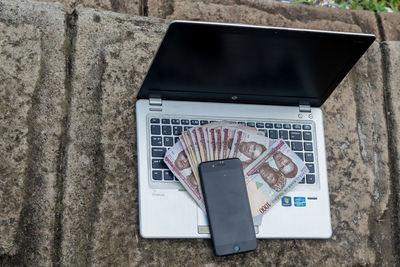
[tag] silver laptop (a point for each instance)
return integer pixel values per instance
(274, 79)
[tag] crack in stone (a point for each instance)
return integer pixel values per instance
(394, 166)
(27, 235)
(381, 28)
(99, 186)
(69, 49)
(143, 8)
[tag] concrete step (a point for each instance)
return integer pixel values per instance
(68, 179)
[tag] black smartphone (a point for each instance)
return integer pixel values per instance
(227, 206)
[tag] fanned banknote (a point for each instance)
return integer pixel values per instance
(276, 171)
(270, 167)
(178, 162)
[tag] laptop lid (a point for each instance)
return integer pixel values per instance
(217, 62)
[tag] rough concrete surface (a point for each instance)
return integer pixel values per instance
(268, 13)
(390, 26)
(68, 173)
(32, 110)
(123, 6)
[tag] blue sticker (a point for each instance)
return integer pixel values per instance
(286, 201)
(299, 201)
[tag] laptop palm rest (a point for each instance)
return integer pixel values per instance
(202, 223)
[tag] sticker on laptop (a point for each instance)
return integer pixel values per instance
(286, 201)
(299, 201)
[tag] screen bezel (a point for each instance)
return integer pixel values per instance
(148, 90)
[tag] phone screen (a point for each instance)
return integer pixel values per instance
(227, 205)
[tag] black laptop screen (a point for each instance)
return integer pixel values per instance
(217, 62)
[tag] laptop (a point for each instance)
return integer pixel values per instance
(274, 79)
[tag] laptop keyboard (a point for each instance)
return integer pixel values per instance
(165, 132)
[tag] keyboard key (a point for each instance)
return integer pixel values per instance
(194, 122)
(176, 139)
(310, 179)
(287, 126)
(260, 125)
(310, 167)
(212, 121)
(155, 129)
(295, 135)
(157, 175)
(296, 126)
(300, 155)
(185, 122)
(175, 121)
(166, 130)
(288, 143)
(241, 123)
(306, 127)
(168, 141)
(269, 125)
(203, 122)
(156, 141)
(251, 124)
(158, 164)
(308, 146)
(297, 146)
(278, 125)
(307, 136)
(283, 134)
(302, 181)
(273, 134)
(165, 121)
(309, 157)
(177, 130)
(187, 128)
(158, 152)
(168, 176)
(155, 120)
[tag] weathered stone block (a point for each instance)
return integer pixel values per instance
(357, 157)
(390, 26)
(123, 6)
(267, 13)
(32, 110)
(112, 53)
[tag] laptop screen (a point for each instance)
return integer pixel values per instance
(245, 64)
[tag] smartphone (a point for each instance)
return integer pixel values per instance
(227, 205)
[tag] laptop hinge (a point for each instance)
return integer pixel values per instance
(155, 104)
(304, 108)
(155, 101)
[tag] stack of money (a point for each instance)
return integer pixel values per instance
(270, 167)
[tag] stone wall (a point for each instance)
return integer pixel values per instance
(68, 173)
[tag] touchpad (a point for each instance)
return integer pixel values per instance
(202, 222)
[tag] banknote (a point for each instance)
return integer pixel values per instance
(276, 171)
(202, 143)
(271, 168)
(248, 146)
(178, 162)
(211, 142)
(186, 143)
(218, 143)
(195, 147)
